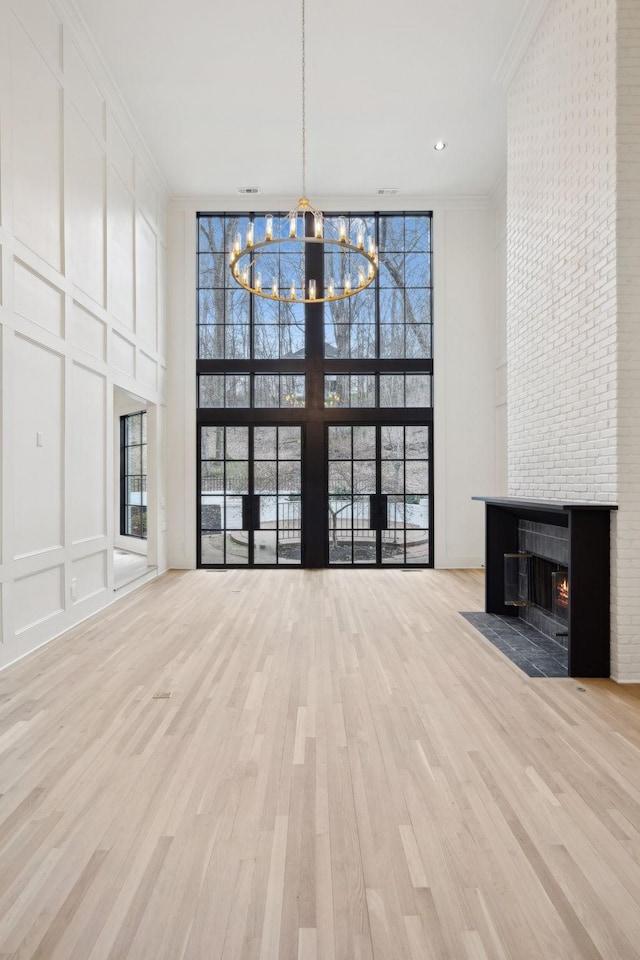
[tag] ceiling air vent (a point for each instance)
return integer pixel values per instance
(249, 190)
(387, 191)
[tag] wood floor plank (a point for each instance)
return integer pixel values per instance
(275, 892)
(345, 770)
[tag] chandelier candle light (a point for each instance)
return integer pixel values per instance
(302, 227)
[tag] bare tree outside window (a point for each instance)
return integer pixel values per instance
(364, 376)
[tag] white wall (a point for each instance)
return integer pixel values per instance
(626, 553)
(500, 209)
(82, 228)
(464, 262)
(561, 257)
(464, 380)
(574, 280)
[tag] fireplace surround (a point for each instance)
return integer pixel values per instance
(547, 561)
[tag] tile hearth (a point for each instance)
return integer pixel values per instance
(536, 654)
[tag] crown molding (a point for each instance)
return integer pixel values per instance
(82, 37)
(519, 41)
(265, 204)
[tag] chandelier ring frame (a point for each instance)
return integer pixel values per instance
(344, 245)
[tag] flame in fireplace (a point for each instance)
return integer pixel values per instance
(562, 592)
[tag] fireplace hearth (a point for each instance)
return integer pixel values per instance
(547, 563)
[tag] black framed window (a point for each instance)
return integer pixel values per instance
(391, 320)
(133, 475)
(242, 390)
(365, 359)
(377, 390)
(232, 325)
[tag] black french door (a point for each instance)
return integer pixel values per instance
(378, 494)
(250, 495)
(332, 494)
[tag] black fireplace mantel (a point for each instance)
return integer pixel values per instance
(589, 577)
(538, 506)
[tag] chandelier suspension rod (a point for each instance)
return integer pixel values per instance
(349, 253)
(304, 105)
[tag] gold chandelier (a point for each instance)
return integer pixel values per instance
(302, 227)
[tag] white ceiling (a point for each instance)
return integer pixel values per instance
(215, 90)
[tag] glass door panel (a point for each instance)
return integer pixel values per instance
(278, 488)
(224, 481)
(250, 495)
(378, 494)
(404, 477)
(352, 482)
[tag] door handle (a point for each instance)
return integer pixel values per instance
(255, 511)
(250, 511)
(378, 513)
(246, 512)
(373, 511)
(383, 513)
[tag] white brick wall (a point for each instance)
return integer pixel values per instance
(626, 552)
(561, 277)
(573, 280)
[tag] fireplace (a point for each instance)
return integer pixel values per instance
(539, 587)
(560, 595)
(547, 562)
(543, 584)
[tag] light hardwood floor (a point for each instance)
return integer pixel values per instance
(345, 770)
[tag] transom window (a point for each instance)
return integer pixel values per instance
(389, 320)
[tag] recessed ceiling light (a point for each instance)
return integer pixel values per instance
(440, 145)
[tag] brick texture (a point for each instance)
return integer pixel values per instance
(626, 551)
(573, 280)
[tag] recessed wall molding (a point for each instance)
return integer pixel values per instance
(85, 208)
(20, 252)
(35, 126)
(83, 92)
(44, 29)
(90, 574)
(38, 300)
(146, 197)
(87, 548)
(122, 354)
(146, 290)
(120, 250)
(38, 597)
(88, 332)
(87, 46)
(147, 369)
(80, 192)
(120, 154)
(32, 563)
